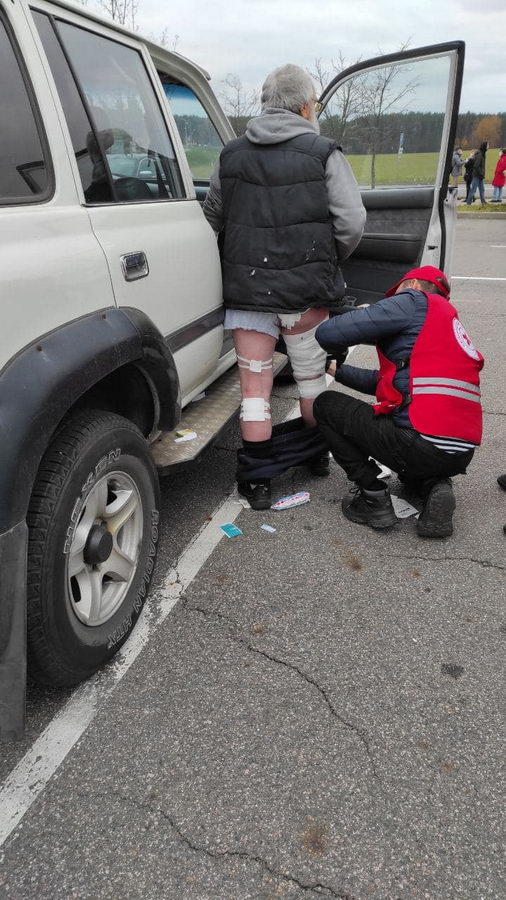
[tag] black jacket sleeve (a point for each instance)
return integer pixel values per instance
(363, 380)
(368, 325)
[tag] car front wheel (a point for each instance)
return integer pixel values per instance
(93, 534)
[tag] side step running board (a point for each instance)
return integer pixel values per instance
(206, 417)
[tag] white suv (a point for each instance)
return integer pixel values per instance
(112, 320)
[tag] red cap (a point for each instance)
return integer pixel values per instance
(425, 273)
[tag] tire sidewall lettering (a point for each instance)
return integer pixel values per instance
(96, 473)
(124, 627)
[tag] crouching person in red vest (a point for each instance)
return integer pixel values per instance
(427, 420)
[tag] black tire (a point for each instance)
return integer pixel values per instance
(92, 453)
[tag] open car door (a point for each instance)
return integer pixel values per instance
(395, 118)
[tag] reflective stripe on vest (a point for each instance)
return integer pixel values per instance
(450, 386)
(450, 392)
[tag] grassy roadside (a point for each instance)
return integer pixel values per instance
(476, 209)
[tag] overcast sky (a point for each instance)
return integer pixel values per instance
(251, 37)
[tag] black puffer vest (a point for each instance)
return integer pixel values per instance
(278, 250)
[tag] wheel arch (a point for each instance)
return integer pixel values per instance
(105, 354)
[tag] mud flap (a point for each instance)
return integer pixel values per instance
(13, 548)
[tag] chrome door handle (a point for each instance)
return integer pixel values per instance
(134, 265)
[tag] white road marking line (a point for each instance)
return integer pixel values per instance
(474, 278)
(31, 775)
(29, 778)
(498, 246)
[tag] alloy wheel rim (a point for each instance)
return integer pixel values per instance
(96, 590)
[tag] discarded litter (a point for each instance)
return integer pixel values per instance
(242, 500)
(230, 530)
(268, 528)
(199, 397)
(385, 471)
(402, 508)
(185, 434)
(292, 500)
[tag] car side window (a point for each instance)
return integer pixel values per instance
(122, 145)
(95, 178)
(24, 169)
(390, 121)
(202, 143)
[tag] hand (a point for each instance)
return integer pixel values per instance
(334, 363)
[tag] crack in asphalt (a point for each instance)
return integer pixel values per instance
(316, 887)
(487, 564)
(359, 732)
(489, 412)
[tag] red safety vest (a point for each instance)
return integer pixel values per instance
(444, 382)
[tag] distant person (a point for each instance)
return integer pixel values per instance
(427, 420)
(289, 209)
(478, 175)
(499, 177)
(457, 163)
(468, 171)
(501, 481)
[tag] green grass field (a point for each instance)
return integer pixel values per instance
(410, 168)
(201, 160)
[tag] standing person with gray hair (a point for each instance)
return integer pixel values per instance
(289, 210)
(457, 163)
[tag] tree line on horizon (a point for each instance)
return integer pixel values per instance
(421, 131)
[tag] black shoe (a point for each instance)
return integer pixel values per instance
(372, 508)
(501, 481)
(257, 493)
(412, 486)
(320, 465)
(436, 517)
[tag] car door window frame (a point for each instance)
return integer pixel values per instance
(137, 47)
(433, 50)
(48, 193)
(440, 187)
(180, 195)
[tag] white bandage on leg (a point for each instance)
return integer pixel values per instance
(254, 365)
(255, 409)
(308, 361)
(310, 388)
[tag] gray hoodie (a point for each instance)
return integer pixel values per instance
(345, 203)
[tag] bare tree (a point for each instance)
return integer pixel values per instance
(166, 39)
(239, 104)
(381, 94)
(345, 105)
(122, 11)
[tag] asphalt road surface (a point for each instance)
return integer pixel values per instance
(315, 712)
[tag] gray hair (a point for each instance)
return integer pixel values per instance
(288, 87)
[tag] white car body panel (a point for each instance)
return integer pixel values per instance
(51, 267)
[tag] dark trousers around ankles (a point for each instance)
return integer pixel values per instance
(353, 433)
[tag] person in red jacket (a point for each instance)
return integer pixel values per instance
(427, 419)
(499, 178)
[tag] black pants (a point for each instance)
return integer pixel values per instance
(353, 433)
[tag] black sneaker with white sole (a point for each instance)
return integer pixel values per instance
(436, 518)
(257, 493)
(373, 508)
